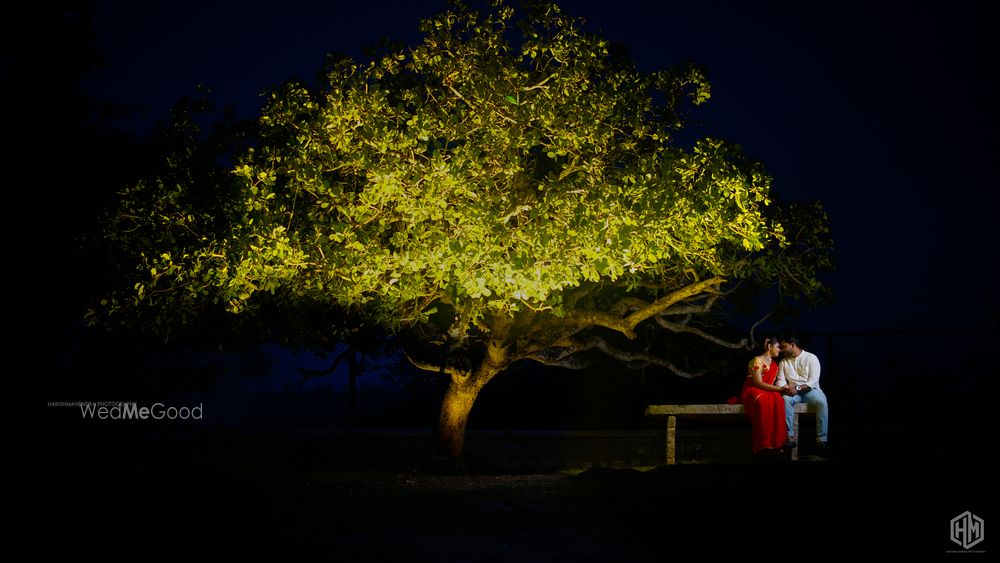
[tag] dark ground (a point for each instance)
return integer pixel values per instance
(223, 498)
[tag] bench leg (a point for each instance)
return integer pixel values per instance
(671, 440)
(795, 432)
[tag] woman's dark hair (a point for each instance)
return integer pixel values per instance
(769, 340)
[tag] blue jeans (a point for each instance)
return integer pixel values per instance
(813, 397)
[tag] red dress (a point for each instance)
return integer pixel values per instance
(765, 409)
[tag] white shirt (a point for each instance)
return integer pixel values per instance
(803, 370)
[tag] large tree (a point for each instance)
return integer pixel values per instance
(493, 196)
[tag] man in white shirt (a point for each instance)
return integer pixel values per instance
(798, 374)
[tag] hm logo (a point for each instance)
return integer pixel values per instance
(967, 529)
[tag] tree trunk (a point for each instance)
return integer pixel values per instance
(458, 401)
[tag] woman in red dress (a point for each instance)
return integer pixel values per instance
(763, 402)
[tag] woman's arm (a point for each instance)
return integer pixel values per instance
(756, 369)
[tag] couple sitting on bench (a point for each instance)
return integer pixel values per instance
(774, 387)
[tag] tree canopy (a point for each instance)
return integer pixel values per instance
(509, 189)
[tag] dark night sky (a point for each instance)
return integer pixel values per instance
(882, 113)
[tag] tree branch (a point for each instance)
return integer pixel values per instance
(755, 325)
(690, 309)
(564, 361)
(308, 374)
(574, 296)
(563, 354)
(636, 357)
(627, 304)
(453, 371)
(683, 327)
(539, 85)
(577, 319)
(664, 303)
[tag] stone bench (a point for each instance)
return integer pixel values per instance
(673, 411)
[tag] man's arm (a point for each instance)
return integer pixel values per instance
(780, 381)
(813, 379)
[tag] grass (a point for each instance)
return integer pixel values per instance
(206, 500)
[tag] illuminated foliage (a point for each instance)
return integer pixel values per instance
(501, 200)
